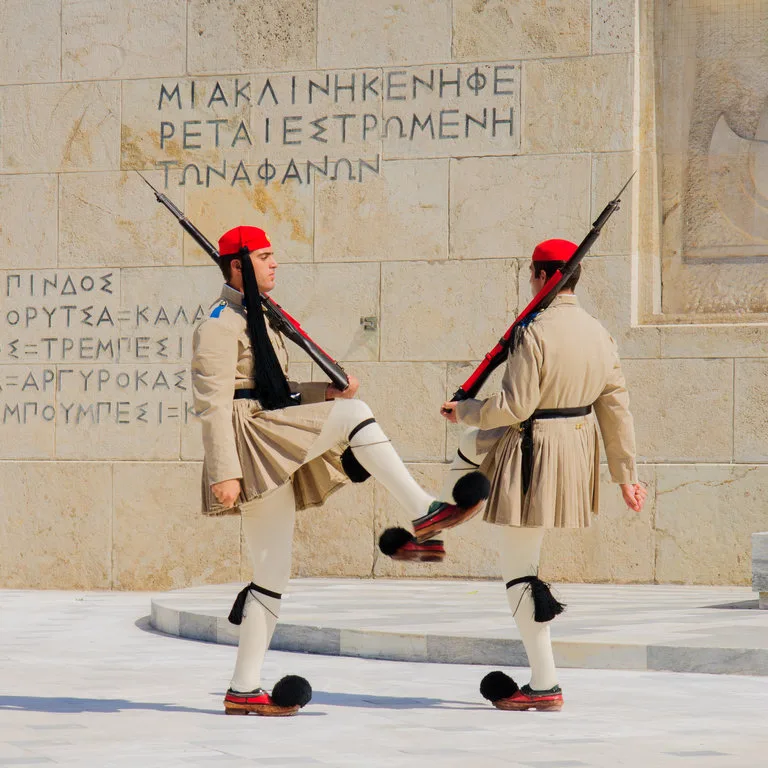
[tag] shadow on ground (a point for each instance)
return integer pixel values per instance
(742, 605)
(371, 701)
(66, 705)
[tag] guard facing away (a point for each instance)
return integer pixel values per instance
(273, 446)
(537, 441)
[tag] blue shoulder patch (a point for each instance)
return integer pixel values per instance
(216, 311)
(528, 320)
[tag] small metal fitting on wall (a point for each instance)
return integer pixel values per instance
(370, 323)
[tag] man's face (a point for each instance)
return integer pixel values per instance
(264, 266)
(536, 282)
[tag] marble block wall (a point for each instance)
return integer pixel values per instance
(404, 158)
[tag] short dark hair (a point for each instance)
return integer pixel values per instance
(225, 265)
(550, 267)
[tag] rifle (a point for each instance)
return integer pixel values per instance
(277, 316)
(540, 302)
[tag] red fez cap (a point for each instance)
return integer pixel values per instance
(250, 238)
(554, 250)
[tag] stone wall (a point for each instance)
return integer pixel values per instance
(404, 158)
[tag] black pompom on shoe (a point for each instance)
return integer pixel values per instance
(496, 685)
(469, 493)
(394, 538)
(292, 691)
(471, 489)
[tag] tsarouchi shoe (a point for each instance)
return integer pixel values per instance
(398, 544)
(469, 493)
(502, 691)
(289, 695)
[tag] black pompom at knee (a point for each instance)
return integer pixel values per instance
(291, 690)
(496, 685)
(392, 539)
(545, 605)
(471, 489)
(353, 469)
(236, 614)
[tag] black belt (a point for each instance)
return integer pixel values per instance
(527, 430)
(252, 394)
(245, 394)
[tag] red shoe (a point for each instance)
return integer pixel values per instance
(431, 551)
(258, 702)
(502, 691)
(440, 517)
(398, 544)
(289, 695)
(526, 698)
(469, 494)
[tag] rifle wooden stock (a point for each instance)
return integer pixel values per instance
(540, 302)
(284, 323)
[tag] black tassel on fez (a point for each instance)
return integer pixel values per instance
(545, 605)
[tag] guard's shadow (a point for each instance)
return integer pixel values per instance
(66, 705)
(372, 701)
(741, 605)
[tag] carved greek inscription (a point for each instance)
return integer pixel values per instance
(67, 317)
(264, 129)
(98, 395)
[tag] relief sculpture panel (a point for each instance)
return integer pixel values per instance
(713, 145)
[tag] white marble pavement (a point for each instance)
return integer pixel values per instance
(656, 627)
(84, 682)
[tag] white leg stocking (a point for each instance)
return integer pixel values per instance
(465, 461)
(374, 451)
(268, 530)
(520, 551)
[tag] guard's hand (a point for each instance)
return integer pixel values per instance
(448, 412)
(227, 492)
(634, 495)
(331, 393)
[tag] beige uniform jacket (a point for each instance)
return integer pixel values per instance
(564, 359)
(262, 448)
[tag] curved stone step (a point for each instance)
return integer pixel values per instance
(658, 627)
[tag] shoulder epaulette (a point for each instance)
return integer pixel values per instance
(528, 320)
(216, 311)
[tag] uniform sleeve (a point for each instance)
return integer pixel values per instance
(311, 391)
(616, 425)
(519, 396)
(214, 362)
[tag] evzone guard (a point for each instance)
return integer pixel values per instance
(537, 441)
(266, 456)
(273, 446)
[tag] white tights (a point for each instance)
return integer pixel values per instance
(519, 551)
(373, 450)
(268, 528)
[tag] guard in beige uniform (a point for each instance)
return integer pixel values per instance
(273, 446)
(537, 441)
